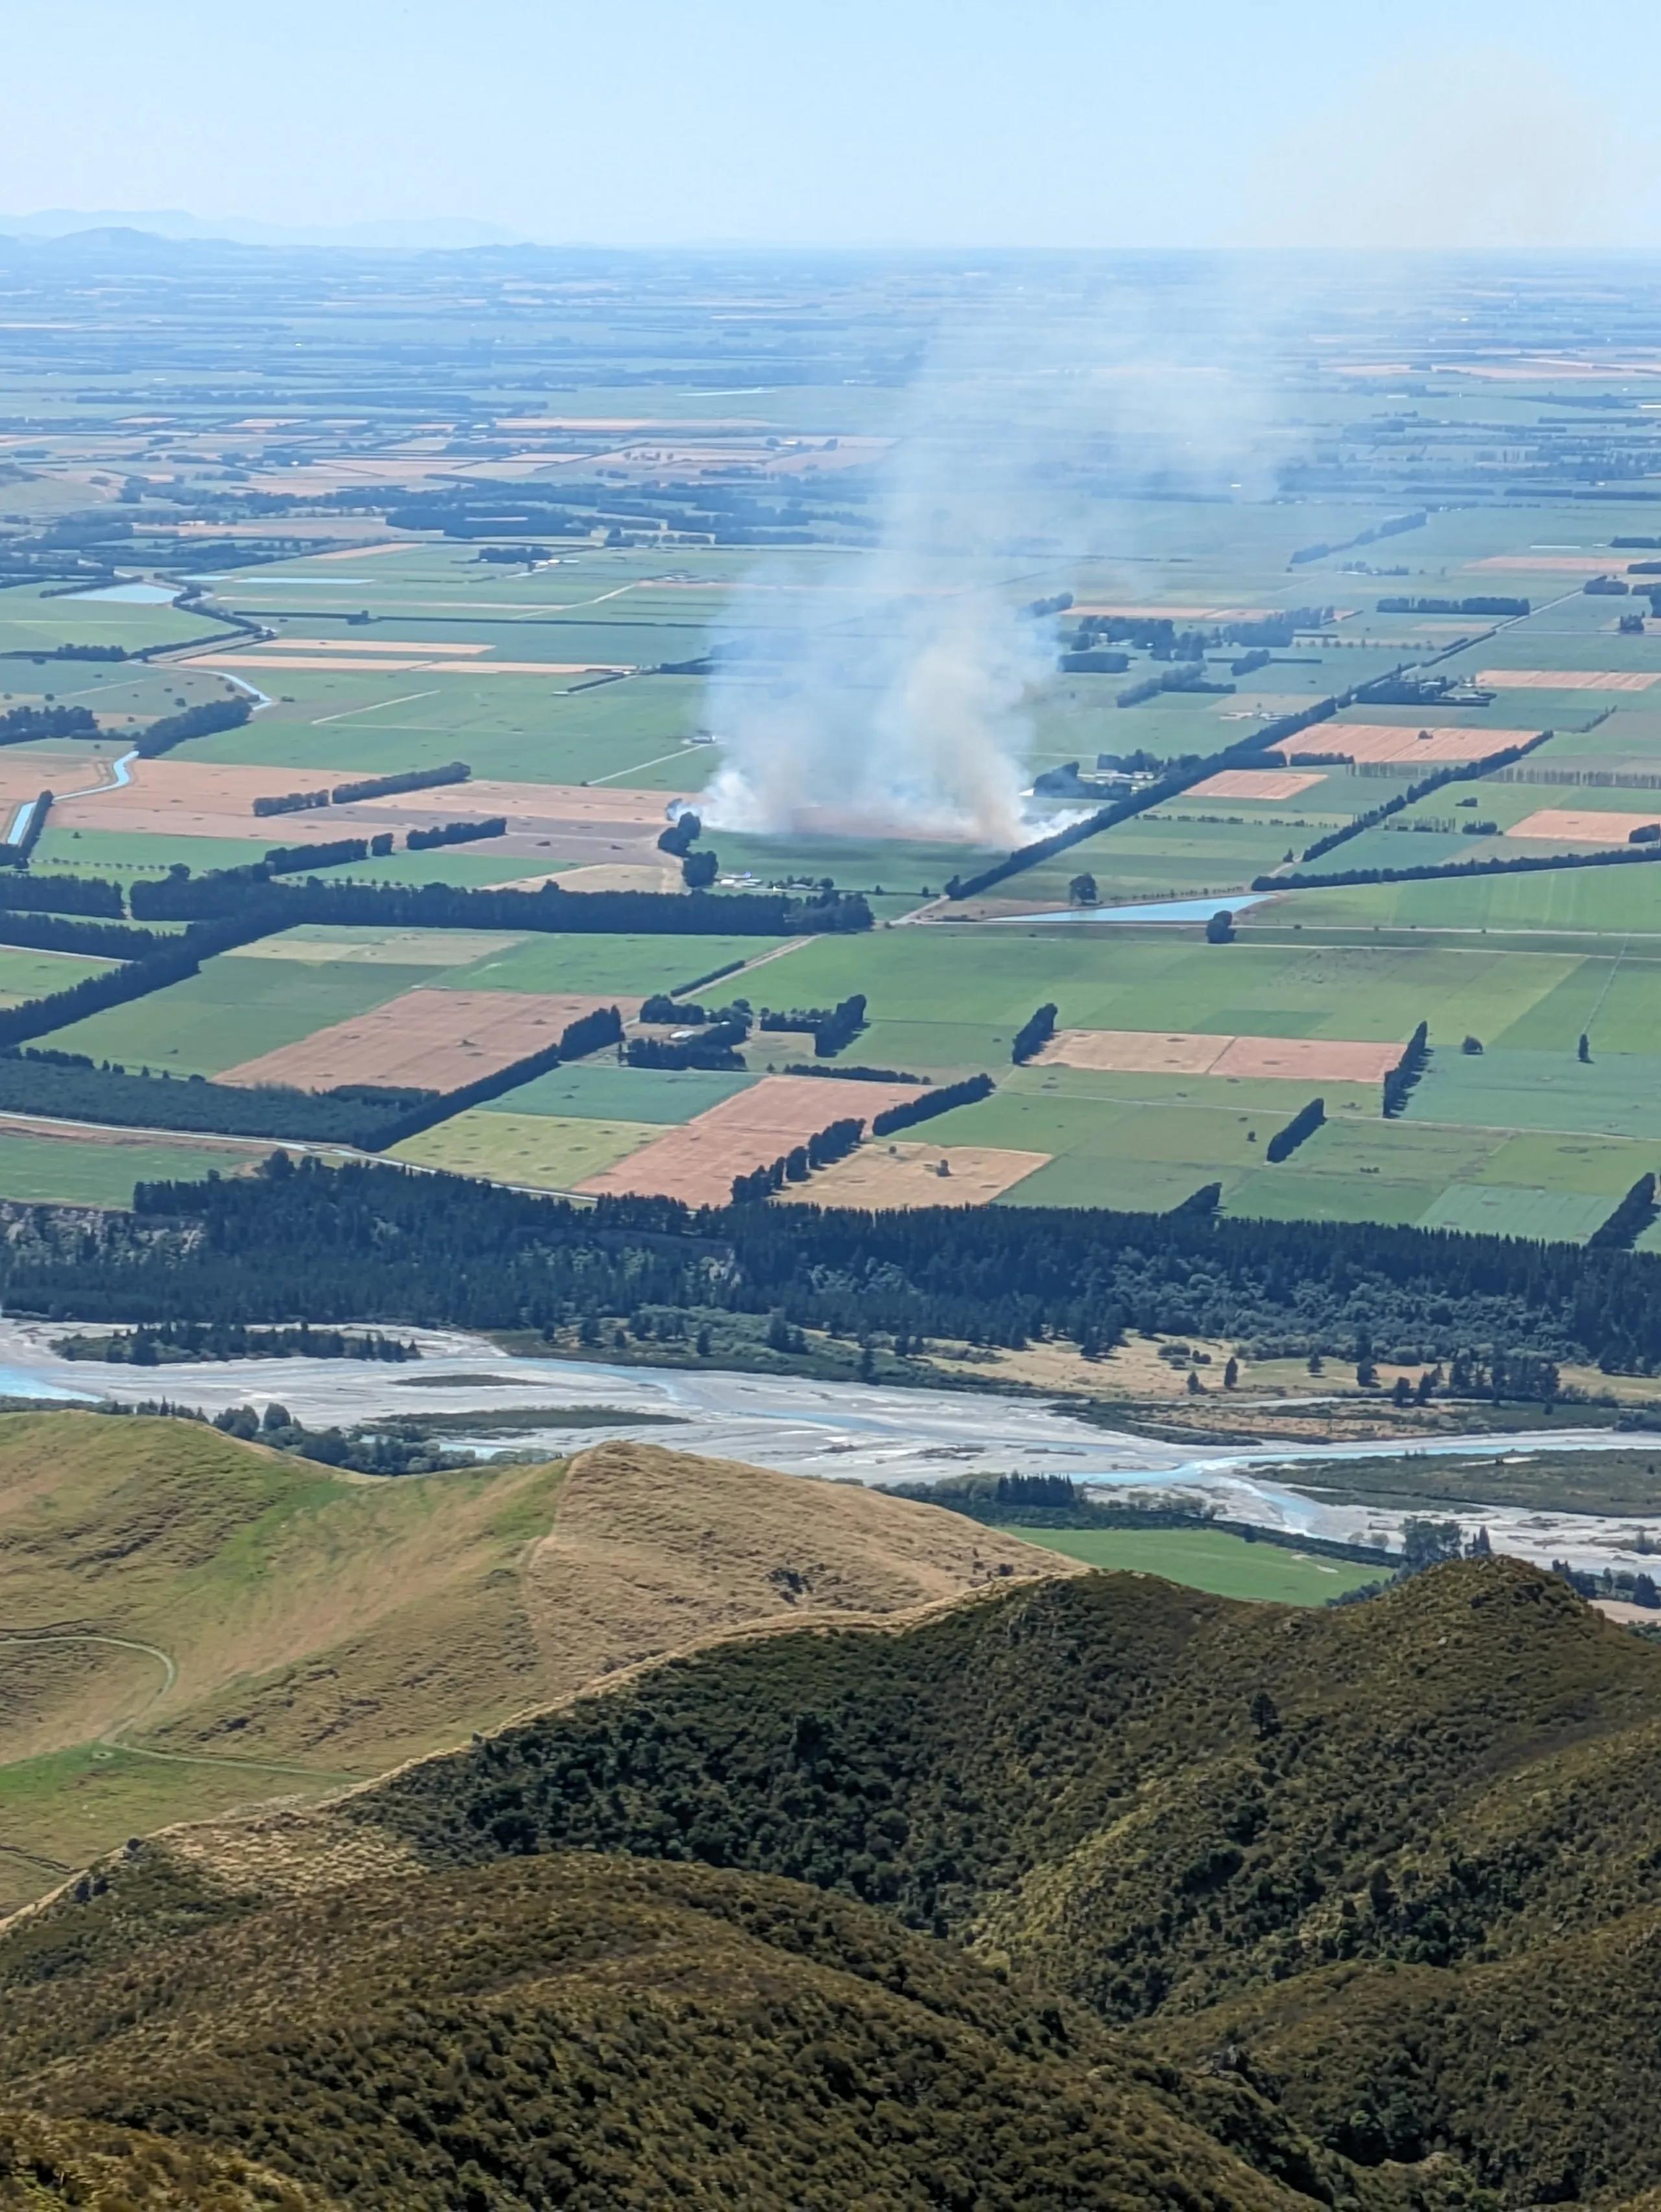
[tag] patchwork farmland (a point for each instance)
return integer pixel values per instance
(1429, 805)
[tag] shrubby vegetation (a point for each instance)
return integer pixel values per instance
(169, 1341)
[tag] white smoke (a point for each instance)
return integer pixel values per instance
(900, 702)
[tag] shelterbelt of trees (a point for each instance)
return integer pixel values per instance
(371, 1242)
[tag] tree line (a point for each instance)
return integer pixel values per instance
(1526, 864)
(451, 906)
(834, 1142)
(1458, 772)
(370, 1244)
(1190, 770)
(204, 721)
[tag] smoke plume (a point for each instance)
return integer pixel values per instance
(892, 693)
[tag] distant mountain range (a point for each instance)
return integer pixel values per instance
(439, 233)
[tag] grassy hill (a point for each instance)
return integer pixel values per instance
(188, 1623)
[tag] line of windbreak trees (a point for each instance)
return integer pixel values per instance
(449, 906)
(838, 1139)
(367, 1244)
(368, 787)
(1527, 864)
(1190, 770)
(1458, 772)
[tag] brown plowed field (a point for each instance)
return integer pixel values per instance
(885, 1176)
(697, 1162)
(1584, 826)
(1141, 1052)
(1255, 783)
(1383, 741)
(1567, 679)
(428, 1040)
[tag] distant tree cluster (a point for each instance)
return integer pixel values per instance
(27, 725)
(1033, 1035)
(456, 833)
(1302, 1126)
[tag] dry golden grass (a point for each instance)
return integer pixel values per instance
(654, 1549)
(882, 1177)
(1589, 825)
(281, 1629)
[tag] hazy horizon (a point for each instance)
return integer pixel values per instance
(918, 127)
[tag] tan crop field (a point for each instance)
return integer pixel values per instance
(1150, 1052)
(25, 775)
(1383, 741)
(427, 1039)
(1256, 783)
(697, 1162)
(356, 661)
(1584, 825)
(196, 798)
(885, 1177)
(1567, 679)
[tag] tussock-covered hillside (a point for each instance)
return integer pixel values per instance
(278, 1630)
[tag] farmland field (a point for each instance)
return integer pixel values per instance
(589, 672)
(1207, 1559)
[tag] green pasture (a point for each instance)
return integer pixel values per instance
(472, 867)
(32, 619)
(25, 974)
(1615, 1000)
(635, 966)
(544, 1150)
(234, 1010)
(521, 729)
(132, 853)
(862, 864)
(1179, 855)
(989, 977)
(1618, 1095)
(599, 1090)
(66, 1171)
(1510, 1210)
(1207, 1559)
(1592, 901)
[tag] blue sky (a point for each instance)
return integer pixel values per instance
(1048, 123)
